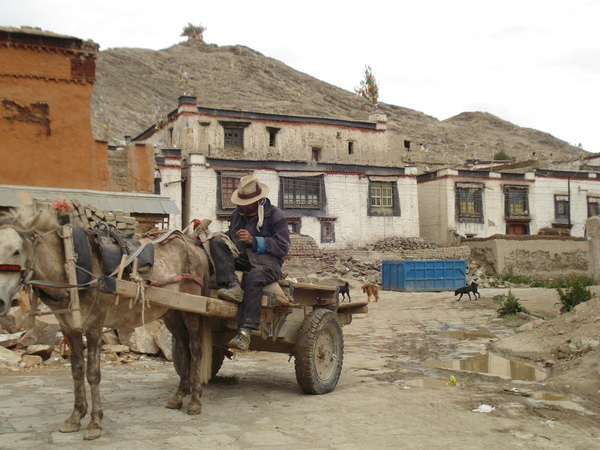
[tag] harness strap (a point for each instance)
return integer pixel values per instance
(135, 254)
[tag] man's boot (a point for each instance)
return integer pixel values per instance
(233, 293)
(242, 340)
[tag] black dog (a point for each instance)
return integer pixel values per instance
(467, 290)
(345, 290)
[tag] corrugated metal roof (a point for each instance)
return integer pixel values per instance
(13, 196)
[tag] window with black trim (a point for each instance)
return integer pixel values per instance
(381, 195)
(516, 202)
(234, 138)
(273, 136)
(561, 208)
(351, 147)
(316, 153)
(302, 192)
(383, 198)
(327, 231)
(293, 224)
(228, 182)
(469, 202)
(593, 206)
(233, 134)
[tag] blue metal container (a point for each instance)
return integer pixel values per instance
(427, 275)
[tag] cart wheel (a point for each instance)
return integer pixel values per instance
(218, 357)
(319, 352)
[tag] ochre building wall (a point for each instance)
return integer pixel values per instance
(46, 140)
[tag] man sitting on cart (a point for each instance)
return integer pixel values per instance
(260, 233)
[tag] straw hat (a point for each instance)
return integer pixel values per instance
(249, 191)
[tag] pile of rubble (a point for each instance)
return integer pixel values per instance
(90, 216)
(399, 244)
(44, 344)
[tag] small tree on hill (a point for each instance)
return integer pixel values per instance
(193, 32)
(368, 88)
(501, 155)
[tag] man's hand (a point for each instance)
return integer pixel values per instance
(244, 236)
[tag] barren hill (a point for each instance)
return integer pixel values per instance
(135, 87)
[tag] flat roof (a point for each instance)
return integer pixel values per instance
(13, 196)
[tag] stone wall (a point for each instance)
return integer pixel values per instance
(533, 256)
(593, 231)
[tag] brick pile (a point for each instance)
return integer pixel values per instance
(302, 246)
(90, 216)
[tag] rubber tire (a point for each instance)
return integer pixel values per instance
(217, 361)
(319, 352)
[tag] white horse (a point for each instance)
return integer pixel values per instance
(31, 248)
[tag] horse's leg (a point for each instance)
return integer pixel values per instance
(73, 423)
(94, 343)
(181, 357)
(192, 323)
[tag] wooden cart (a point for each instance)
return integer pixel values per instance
(302, 320)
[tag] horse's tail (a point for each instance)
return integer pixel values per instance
(207, 350)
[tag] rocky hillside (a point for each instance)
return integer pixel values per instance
(135, 87)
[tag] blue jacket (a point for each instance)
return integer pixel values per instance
(270, 244)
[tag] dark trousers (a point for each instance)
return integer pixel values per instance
(254, 280)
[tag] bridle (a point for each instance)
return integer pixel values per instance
(27, 270)
(15, 268)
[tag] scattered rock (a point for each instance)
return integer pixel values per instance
(10, 340)
(110, 337)
(54, 359)
(9, 359)
(115, 348)
(27, 339)
(164, 339)
(42, 350)
(29, 361)
(141, 339)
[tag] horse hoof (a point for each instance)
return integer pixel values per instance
(92, 433)
(171, 404)
(194, 409)
(69, 427)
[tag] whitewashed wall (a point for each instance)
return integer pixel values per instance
(347, 197)
(578, 190)
(435, 214)
(437, 206)
(171, 185)
(193, 132)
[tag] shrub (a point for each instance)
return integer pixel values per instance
(511, 306)
(192, 31)
(551, 283)
(501, 155)
(574, 292)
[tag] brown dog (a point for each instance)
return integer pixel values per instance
(371, 290)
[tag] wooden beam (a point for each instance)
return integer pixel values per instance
(181, 301)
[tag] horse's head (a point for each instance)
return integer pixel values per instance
(13, 257)
(18, 232)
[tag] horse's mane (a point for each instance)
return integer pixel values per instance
(32, 217)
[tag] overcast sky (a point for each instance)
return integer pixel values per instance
(535, 63)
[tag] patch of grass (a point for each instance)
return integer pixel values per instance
(549, 283)
(515, 279)
(574, 292)
(510, 306)
(499, 298)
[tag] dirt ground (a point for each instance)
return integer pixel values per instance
(395, 390)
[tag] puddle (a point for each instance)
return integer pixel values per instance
(436, 383)
(466, 335)
(549, 396)
(491, 364)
